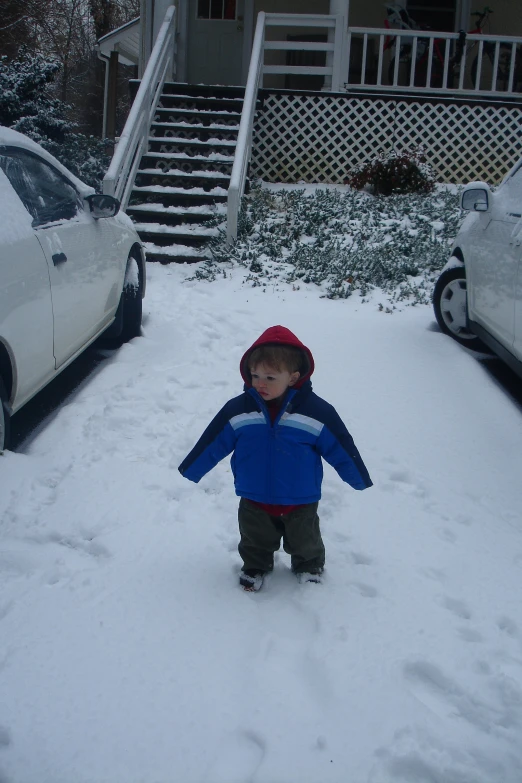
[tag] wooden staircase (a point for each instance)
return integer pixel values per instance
(182, 182)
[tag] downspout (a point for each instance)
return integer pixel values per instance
(105, 60)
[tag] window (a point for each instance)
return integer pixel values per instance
(46, 194)
(216, 9)
(436, 16)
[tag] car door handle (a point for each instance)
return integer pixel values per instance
(59, 258)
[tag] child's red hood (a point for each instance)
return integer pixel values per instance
(279, 335)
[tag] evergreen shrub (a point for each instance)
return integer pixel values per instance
(342, 241)
(27, 105)
(394, 172)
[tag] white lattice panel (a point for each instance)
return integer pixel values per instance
(319, 138)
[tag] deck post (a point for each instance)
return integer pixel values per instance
(339, 37)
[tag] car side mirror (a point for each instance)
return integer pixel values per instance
(476, 199)
(103, 206)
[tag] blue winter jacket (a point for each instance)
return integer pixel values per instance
(280, 462)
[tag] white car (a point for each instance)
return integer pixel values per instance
(478, 296)
(71, 268)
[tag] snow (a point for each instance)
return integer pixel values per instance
(128, 653)
(185, 229)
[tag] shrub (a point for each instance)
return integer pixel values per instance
(394, 172)
(28, 106)
(342, 242)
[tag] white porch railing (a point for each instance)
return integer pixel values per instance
(426, 61)
(132, 143)
(332, 71)
(236, 186)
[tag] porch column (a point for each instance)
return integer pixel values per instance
(152, 14)
(462, 16)
(342, 8)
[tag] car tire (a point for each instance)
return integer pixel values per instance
(127, 320)
(450, 304)
(4, 418)
(132, 304)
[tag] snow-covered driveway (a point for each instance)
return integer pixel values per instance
(128, 654)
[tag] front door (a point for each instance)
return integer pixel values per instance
(215, 42)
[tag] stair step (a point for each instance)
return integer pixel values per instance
(201, 165)
(181, 196)
(180, 212)
(173, 219)
(211, 103)
(203, 90)
(197, 125)
(211, 144)
(195, 234)
(216, 157)
(205, 180)
(193, 133)
(176, 253)
(202, 115)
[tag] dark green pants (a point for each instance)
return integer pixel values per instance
(261, 535)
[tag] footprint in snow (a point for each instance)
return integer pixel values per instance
(457, 608)
(508, 626)
(359, 558)
(469, 635)
(496, 709)
(239, 758)
(367, 591)
(402, 481)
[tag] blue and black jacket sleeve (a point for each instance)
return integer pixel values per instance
(336, 446)
(217, 441)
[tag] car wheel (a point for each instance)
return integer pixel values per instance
(127, 321)
(450, 304)
(4, 418)
(132, 301)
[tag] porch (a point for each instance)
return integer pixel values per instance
(468, 123)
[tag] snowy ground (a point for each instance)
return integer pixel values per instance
(128, 654)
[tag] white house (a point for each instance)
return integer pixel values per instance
(300, 90)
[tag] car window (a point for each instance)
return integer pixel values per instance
(46, 194)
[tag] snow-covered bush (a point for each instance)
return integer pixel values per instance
(28, 106)
(394, 172)
(342, 241)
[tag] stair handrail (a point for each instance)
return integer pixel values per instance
(244, 137)
(132, 143)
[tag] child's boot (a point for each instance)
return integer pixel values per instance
(251, 580)
(313, 575)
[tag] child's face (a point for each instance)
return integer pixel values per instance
(271, 384)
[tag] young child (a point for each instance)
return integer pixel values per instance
(278, 430)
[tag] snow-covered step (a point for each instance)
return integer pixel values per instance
(165, 190)
(211, 142)
(200, 173)
(212, 156)
(175, 253)
(191, 102)
(206, 113)
(183, 179)
(203, 211)
(197, 125)
(176, 215)
(194, 231)
(206, 98)
(199, 165)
